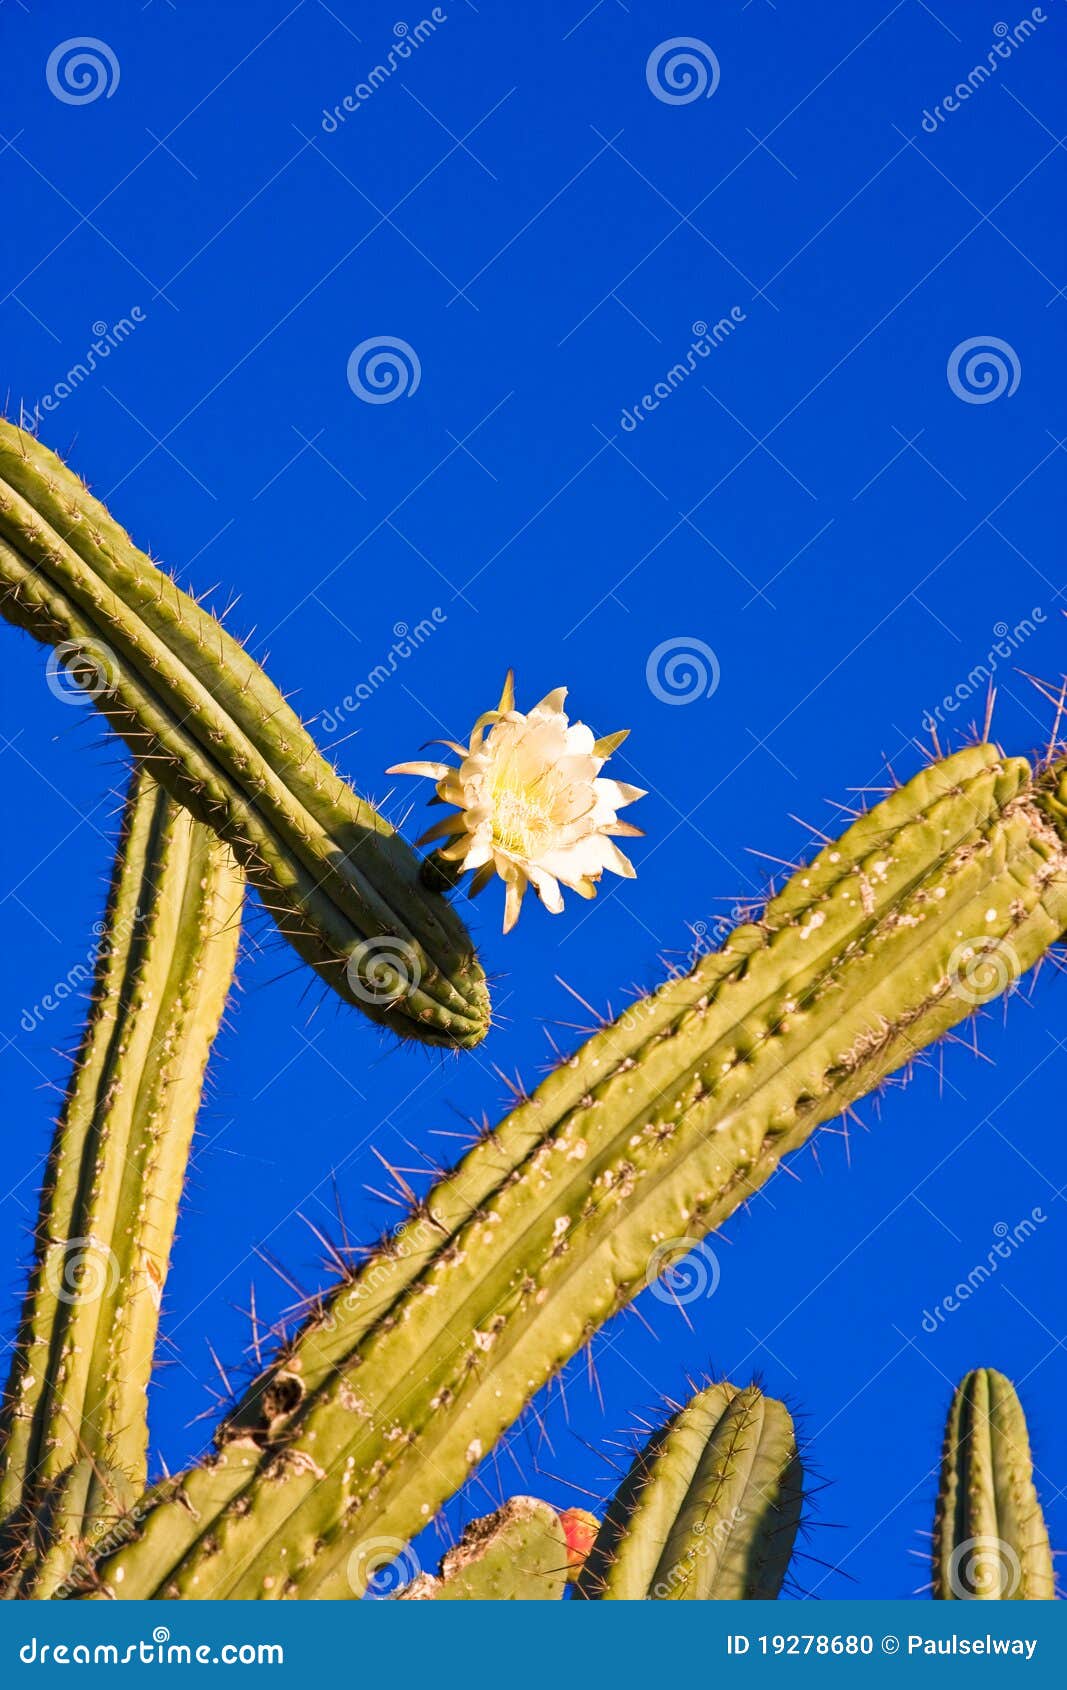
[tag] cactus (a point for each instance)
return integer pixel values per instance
(651, 1135)
(73, 1434)
(990, 1540)
(709, 1509)
(190, 701)
(518, 1554)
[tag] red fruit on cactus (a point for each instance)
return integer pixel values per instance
(580, 1529)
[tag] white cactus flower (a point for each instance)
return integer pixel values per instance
(531, 803)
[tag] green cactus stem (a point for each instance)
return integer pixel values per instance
(518, 1554)
(709, 1509)
(342, 886)
(652, 1134)
(990, 1539)
(74, 1410)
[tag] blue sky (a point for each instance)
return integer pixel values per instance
(835, 503)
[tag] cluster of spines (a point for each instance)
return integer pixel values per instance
(200, 712)
(655, 1131)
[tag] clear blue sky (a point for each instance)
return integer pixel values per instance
(816, 503)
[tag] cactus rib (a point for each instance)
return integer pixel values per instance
(709, 1509)
(76, 1396)
(990, 1539)
(518, 1554)
(342, 886)
(655, 1131)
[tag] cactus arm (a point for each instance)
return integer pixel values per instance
(990, 1539)
(518, 1554)
(77, 1389)
(658, 1128)
(188, 699)
(709, 1509)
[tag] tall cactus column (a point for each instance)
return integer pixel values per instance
(990, 1539)
(74, 1414)
(343, 888)
(652, 1134)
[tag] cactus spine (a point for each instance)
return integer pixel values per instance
(342, 886)
(709, 1509)
(518, 1554)
(74, 1430)
(656, 1130)
(990, 1540)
